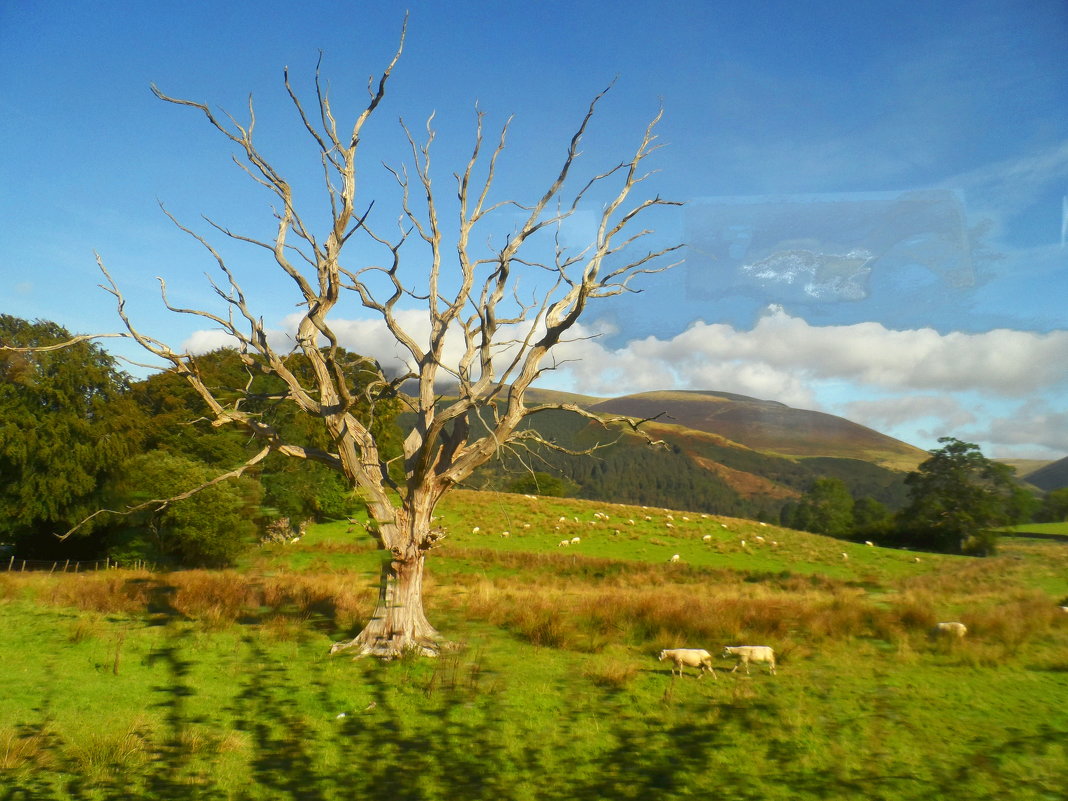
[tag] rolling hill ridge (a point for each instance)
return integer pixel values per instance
(720, 452)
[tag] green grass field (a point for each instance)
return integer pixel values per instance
(217, 685)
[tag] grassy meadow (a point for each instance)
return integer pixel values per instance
(217, 684)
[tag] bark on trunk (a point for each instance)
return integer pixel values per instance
(398, 625)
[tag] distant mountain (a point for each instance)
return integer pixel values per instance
(1051, 477)
(725, 453)
(769, 426)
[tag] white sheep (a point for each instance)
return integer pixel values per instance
(1064, 609)
(759, 539)
(707, 538)
(475, 530)
(674, 558)
(869, 543)
(506, 534)
(694, 657)
(563, 543)
(845, 555)
(575, 540)
(750, 653)
(950, 629)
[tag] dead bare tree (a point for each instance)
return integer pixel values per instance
(471, 298)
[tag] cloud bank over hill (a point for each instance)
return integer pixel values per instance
(913, 384)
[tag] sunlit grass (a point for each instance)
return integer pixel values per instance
(218, 684)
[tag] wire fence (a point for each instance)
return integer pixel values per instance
(72, 566)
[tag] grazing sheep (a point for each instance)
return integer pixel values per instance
(563, 543)
(951, 629)
(475, 530)
(505, 534)
(694, 657)
(758, 538)
(1064, 609)
(575, 540)
(674, 558)
(707, 538)
(670, 525)
(869, 543)
(763, 524)
(750, 653)
(845, 555)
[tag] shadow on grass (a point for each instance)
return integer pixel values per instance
(451, 729)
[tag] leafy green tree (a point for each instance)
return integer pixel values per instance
(66, 425)
(1054, 506)
(208, 529)
(871, 519)
(300, 490)
(827, 508)
(958, 499)
(539, 483)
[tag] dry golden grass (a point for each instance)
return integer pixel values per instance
(20, 750)
(216, 600)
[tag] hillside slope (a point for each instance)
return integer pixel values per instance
(1051, 477)
(769, 426)
(719, 452)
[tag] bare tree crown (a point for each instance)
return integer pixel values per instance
(499, 340)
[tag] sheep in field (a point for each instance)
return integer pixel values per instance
(694, 657)
(950, 629)
(750, 653)
(674, 558)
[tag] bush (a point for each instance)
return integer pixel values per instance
(207, 529)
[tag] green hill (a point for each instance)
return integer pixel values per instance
(1050, 477)
(769, 426)
(719, 453)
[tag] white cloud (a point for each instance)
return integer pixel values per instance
(880, 377)
(1033, 422)
(784, 354)
(781, 357)
(203, 341)
(886, 413)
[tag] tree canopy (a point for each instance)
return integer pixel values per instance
(67, 422)
(958, 498)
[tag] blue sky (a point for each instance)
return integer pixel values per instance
(874, 192)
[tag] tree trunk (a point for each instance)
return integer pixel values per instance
(398, 625)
